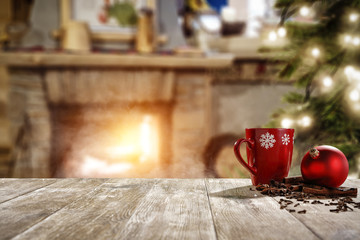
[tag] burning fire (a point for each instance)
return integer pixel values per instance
(93, 166)
(139, 145)
(145, 138)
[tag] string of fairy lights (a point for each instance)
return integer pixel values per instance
(327, 82)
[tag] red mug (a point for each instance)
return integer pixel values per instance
(269, 153)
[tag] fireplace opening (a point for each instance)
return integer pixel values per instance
(116, 141)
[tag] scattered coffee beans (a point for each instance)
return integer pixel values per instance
(295, 188)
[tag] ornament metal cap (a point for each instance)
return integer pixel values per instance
(314, 153)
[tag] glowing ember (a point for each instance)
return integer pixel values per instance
(93, 167)
(121, 151)
(143, 146)
(128, 148)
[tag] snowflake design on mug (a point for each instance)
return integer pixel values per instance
(267, 140)
(285, 139)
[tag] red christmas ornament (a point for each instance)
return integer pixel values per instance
(325, 165)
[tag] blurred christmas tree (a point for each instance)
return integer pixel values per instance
(323, 59)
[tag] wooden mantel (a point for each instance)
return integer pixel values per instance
(22, 59)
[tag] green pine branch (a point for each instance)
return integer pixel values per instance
(333, 122)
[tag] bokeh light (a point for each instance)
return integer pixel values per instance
(304, 11)
(286, 123)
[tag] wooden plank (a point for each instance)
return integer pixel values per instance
(352, 183)
(101, 214)
(111, 60)
(243, 214)
(21, 213)
(11, 187)
(329, 225)
(173, 209)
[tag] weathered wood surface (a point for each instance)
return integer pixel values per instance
(160, 209)
(243, 214)
(173, 209)
(329, 225)
(11, 189)
(100, 214)
(21, 213)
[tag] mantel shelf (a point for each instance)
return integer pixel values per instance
(22, 59)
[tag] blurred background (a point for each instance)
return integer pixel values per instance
(163, 88)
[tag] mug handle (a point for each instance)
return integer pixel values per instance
(250, 144)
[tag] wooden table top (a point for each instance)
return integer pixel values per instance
(161, 209)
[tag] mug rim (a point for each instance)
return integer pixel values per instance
(270, 128)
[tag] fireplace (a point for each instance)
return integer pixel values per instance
(95, 118)
(109, 123)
